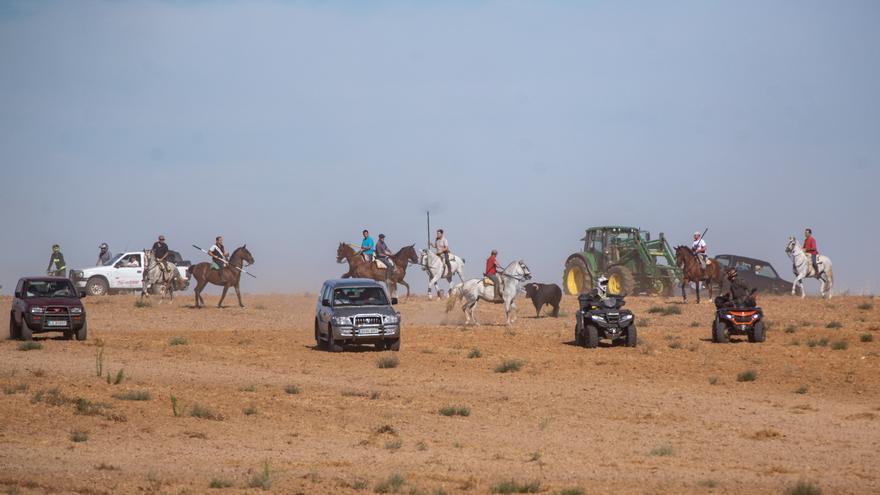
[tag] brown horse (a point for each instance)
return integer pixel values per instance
(359, 268)
(231, 276)
(693, 272)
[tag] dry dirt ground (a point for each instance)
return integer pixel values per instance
(669, 416)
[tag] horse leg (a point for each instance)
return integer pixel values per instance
(238, 293)
(222, 296)
(407, 288)
(683, 293)
(697, 285)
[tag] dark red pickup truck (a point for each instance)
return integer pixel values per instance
(46, 304)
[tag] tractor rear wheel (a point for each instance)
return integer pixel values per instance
(577, 278)
(620, 280)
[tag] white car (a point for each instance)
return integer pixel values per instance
(124, 272)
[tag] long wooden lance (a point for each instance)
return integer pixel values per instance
(225, 262)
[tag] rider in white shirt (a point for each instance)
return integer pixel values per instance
(441, 245)
(699, 249)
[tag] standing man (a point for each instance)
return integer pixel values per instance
(441, 246)
(104, 255)
(368, 246)
(492, 267)
(699, 249)
(384, 254)
(56, 259)
(218, 257)
(811, 249)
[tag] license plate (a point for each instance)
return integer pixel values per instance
(367, 331)
(57, 323)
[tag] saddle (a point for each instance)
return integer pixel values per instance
(488, 282)
(379, 263)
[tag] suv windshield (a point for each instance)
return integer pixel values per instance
(41, 288)
(359, 296)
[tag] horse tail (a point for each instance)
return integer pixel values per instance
(454, 296)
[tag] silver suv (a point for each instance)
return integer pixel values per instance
(356, 311)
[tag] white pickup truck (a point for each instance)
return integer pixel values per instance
(124, 272)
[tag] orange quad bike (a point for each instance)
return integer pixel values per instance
(735, 320)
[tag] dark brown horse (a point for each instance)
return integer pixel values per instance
(230, 276)
(693, 272)
(359, 268)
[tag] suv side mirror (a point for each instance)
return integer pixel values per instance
(325, 302)
(393, 301)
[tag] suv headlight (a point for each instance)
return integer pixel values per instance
(392, 319)
(36, 310)
(76, 311)
(341, 320)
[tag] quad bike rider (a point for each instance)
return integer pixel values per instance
(737, 313)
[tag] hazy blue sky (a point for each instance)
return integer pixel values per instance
(293, 125)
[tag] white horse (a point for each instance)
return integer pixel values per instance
(802, 266)
(475, 289)
(436, 268)
(161, 277)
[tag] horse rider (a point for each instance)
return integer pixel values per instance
(699, 249)
(104, 255)
(739, 294)
(160, 253)
(219, 258)
(441, 247)
(384, 253)
(492, 268)
(368, 247)
(56, 259)
(810, 248)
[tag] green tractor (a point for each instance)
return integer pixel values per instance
(633, 263)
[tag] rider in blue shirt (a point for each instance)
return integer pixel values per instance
(368, 246)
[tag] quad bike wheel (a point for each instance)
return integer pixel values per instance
(719, 333)
(758, 333)
(591, 337)
(632, 336)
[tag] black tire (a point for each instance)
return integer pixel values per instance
(620, 280)
(719, 332)
(579, 337)
(318, 342)
(13, 328)
(332, 346)
(758, 333)
(591, 337)
(576, 278)
(68, 334)
(83, 332)
(393, 345)
(632, 336)
(24, 331)
(97, 286)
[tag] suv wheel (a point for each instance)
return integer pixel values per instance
(24, 331)
(97, 286)
(393, 345)
(332, 346)
(13, 328)
(319, 344)
(83, 332)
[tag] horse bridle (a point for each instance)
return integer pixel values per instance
(519, 279)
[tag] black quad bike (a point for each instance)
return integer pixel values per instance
(604, 319)
(747, 321)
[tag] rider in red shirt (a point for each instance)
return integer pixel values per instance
(810, 248)
(492, 267)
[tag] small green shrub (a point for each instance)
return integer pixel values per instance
(695, 324)
(291, 389)
(665, 310)
(513, 486)
(866, 337)
(386, 362)
(713, 380)
(202, 412)
(178, 341)
(801, 390)
(865, 306)
(249, 388)
(475, 353)
(250, 411)
(142, 303)
(79, 436)
(174, 406)
(13, 389)
(263, 480)
(220, 483)
(509, 365)
(455, 411)
(30, 345)
(133, 395)
(803, 488)
(571, 491)
(747, 376)
(662, 451)
(392, 484)
(395, 444)
(834, 324)
(790, 329)
(840, 345)
(120, 376)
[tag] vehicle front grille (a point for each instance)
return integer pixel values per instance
(367, 320)
(56, 317)
(612, 318)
